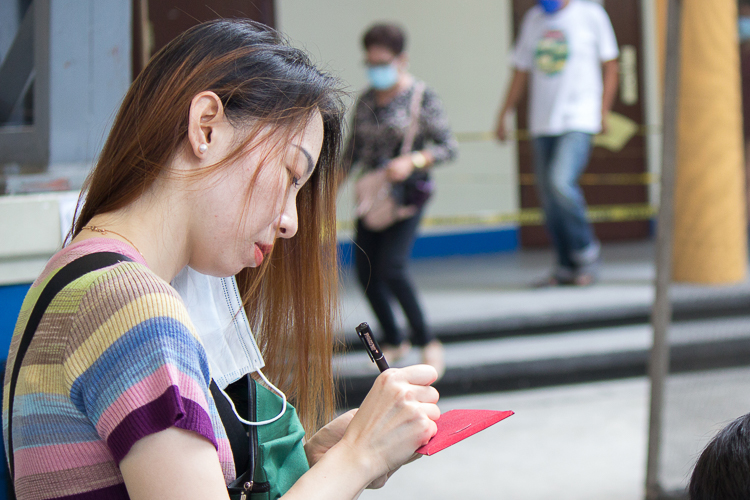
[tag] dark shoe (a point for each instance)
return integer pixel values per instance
(551, 281)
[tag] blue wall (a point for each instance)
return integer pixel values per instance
(11, 298)
(450, 244)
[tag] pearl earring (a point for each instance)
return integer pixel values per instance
(203, 148)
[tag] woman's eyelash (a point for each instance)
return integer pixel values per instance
(293, 177)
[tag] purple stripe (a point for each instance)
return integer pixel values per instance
(197, 420)
(169, 409)
(115, 492)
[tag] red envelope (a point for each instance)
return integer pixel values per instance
(456, 425)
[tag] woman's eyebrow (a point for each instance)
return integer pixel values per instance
(310, 164)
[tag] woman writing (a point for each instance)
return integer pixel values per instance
(224, 150)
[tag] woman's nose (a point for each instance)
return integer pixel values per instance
(288, 221)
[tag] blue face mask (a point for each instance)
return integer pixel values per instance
(743, 26)
(551, 6)
(382, 76)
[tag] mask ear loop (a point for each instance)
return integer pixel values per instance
(264, 422)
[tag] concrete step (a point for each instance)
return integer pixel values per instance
(563, 358)
(462, 314)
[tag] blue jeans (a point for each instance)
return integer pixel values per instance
(559, 162)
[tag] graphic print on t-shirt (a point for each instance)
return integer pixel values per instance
(551, 52)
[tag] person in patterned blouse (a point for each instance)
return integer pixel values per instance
(381, 120)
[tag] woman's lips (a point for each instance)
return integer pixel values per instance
(266, 249)
(258, 255)
(261, 251)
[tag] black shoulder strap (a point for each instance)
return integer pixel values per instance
(243, 439)
(65, 276)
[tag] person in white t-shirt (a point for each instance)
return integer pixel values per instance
(567, 48)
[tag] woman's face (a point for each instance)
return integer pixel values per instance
(232, 231)
(378, 55)
(384, 68)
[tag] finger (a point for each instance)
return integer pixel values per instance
(349, 414)
(425, 394)
(379, 482)
(419, 374)
(430, 427)
(430, 410)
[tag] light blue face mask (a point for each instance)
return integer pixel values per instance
(382, 76)
(743, 27)
(551, 6)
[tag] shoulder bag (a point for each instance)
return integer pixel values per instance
(380, 202)
(272, 455)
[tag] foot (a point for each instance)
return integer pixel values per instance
(552, 281)
(394, 353)
(584, 279)
(433, 354)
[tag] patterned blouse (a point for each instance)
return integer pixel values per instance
(378, 131)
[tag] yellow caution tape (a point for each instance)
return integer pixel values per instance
(535, 217)
(602, 179)
(524, 135)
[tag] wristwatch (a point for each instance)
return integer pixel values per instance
(418, 160)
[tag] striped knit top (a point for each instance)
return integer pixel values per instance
(115, 358)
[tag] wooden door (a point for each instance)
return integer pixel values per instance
(156, 22)
(631, 159)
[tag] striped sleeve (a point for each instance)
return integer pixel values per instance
(134, 365)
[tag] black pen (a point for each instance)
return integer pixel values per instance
(371, 346)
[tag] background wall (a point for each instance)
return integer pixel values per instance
(462, 51)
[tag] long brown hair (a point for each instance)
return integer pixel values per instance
(263, 84)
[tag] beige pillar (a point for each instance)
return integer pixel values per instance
(710, 240)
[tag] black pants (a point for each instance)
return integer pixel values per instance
(381, 258)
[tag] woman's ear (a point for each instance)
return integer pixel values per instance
(403, 61)
(204, 120)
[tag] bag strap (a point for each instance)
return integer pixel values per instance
(71, 272)
(243, 439)
(415, 110)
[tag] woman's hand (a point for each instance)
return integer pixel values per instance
(329, 436)
(397, 417)
(400, 168)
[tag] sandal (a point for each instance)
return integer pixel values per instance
(394, 353)
(433, 354)
(585, 279)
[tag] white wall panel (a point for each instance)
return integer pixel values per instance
(461, 49)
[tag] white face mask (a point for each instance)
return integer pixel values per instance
(215, 307)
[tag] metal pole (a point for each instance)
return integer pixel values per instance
(661, 315)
